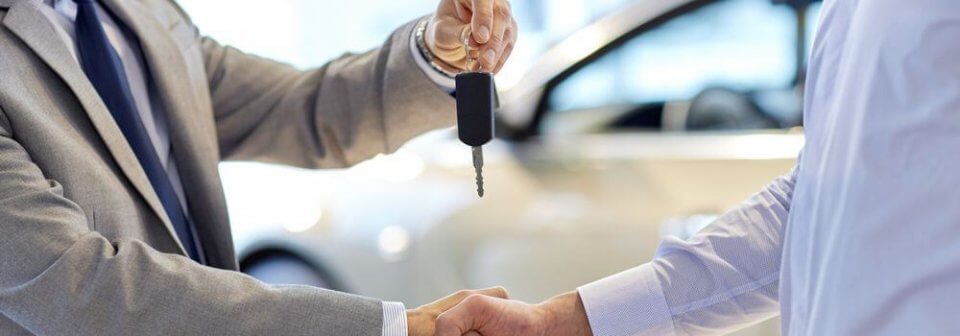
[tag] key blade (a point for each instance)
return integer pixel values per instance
(478, 167)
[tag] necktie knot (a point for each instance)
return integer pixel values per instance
(84, 2)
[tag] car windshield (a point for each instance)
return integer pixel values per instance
(739, 54)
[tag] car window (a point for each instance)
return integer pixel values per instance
(730, 59)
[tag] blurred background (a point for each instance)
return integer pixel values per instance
(622, 122)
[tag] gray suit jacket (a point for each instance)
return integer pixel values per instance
(85, 246)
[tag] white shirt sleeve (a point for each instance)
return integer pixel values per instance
(445, 83)
(722, 279)
(394, 319)
(628, 303)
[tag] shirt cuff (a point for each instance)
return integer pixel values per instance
(629, 303)
(394, 319)
(445, 83)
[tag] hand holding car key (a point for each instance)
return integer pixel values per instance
(476, 100)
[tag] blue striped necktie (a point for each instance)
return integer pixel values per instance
(103, 67)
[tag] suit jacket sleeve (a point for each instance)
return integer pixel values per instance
(58, 277)
(347, 111)
(722, 279)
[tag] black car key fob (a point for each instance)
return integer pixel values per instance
(476, 100)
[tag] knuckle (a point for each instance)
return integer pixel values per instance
(503, 12)
(509, 36)
(485, 12)
(473, 299)
(474, 303)
(443, 321)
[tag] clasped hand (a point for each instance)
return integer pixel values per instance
(490, 312)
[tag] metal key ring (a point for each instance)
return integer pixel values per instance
(469, 61)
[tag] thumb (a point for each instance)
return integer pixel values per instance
(497, 292)
(447, 32)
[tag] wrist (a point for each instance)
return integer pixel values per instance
(423, 39)
(420, 322)
(565, 315)
(430, 41)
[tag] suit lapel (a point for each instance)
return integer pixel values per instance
(30, 24)
(192, 145)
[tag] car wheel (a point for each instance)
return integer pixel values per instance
(280, 268)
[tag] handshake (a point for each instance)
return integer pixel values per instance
(490, 312)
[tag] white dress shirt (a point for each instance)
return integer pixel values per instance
(64, 13)
(863, 237)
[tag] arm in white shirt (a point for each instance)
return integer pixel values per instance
(724, 278)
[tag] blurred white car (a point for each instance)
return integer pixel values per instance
(647, 123)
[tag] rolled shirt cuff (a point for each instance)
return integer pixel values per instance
(630, 303)
(394, 319)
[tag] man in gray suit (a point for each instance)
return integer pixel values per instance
(113, 117)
